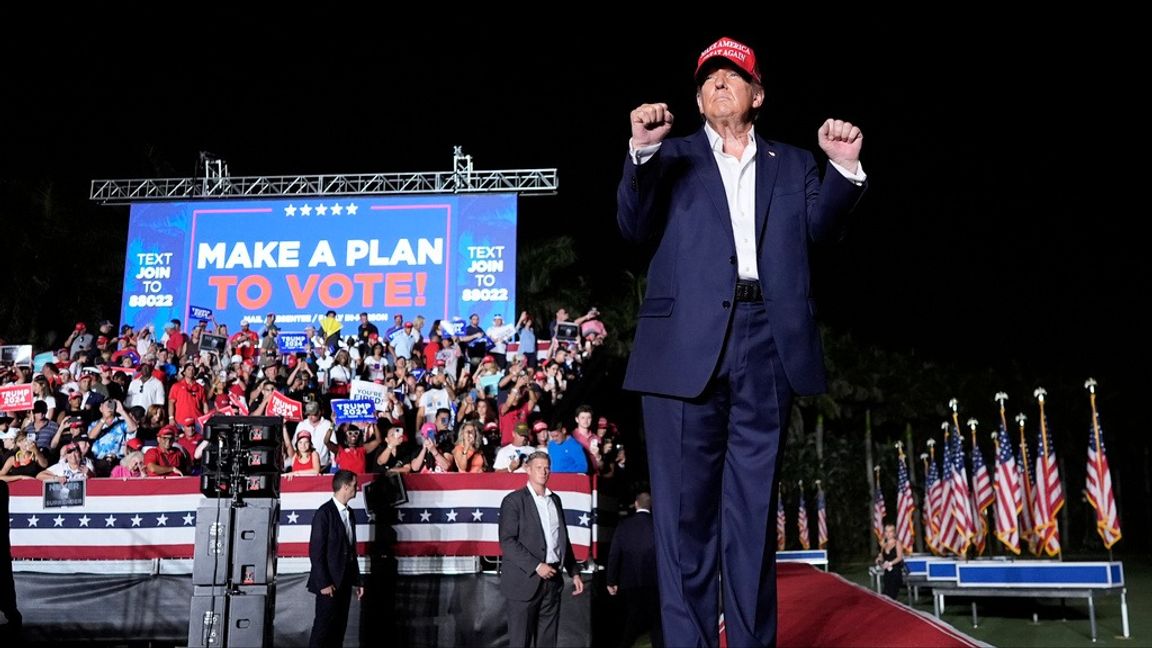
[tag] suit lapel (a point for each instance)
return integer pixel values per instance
(766, 170)
(709, 175)
(530, 504)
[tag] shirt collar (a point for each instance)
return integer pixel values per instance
(339, 507)
(643, 510)
(716, 142)
(547, 493)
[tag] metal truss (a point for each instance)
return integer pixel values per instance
(216, 184)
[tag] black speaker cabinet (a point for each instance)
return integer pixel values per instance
(240, 617)
(252, 530)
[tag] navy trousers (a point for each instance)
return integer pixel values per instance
(713, 462)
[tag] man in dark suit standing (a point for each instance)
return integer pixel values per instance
(536, 549)
(335, 572)
(11, 630)
(726, 335)
(632, 574)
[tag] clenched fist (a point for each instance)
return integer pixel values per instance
(841, 142)
(650, 124)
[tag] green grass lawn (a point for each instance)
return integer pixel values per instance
(1009, 621)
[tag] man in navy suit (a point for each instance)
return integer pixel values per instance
(632, 574)
(534, 543)
(726, 335)
(335, 572)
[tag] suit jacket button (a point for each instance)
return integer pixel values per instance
(726, 304)
(633, 183)
(732, 260)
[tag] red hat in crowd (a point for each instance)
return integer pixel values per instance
(602, 424)
(190, 420)
(734, 52)
(489, 358)
(539, 426)
(407, 324)
(134, 444)
(80, 326)
(490, 426)
(302, 434)
(167, 431)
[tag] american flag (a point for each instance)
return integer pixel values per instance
(802, 520)
(1049, 493)
(956, 529)
(821, 517)
(1028, 480)
(1009, 499)
(1099, 487)
(933, 501)
(879, 510)
(982, 495)
(135, 519)
(905, 506)
(781, 523)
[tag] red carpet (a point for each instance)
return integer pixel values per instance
(822, 609)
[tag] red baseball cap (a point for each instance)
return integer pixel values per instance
(733, 51)
(134, 444)
(539, 425)
(167, 431)
(407, 324)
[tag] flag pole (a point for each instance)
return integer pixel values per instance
(1090, 385)
(954, 405)
(1021, 419)
(1039, 393)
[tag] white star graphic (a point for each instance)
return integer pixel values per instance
(188, 519)
(162, 520)
(451, 516)
(477, 515)
(290, 210)
(33, 522)
(399, 516)
(351, 209)
(84, 520)
(292, 517)
(306, 210)
(371, 516)
(337, 209)
(58, 521)
(583, 519)
(321, 210)
(136, 520)
(425, 516)
(110, 521)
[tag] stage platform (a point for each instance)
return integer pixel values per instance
(816, 609)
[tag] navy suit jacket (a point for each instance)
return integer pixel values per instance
(333, 557)
(632, 560)
(523, 545)
(677, 200)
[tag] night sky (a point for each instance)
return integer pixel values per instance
(1002, 224)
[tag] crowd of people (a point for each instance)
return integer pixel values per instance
(133, 403)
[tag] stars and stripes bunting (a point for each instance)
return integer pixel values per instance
(1099, 479)
(135, 519)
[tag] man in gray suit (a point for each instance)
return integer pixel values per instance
(534, 541)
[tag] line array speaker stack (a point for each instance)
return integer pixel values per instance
(234, 565)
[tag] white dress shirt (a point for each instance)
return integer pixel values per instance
(739, 178)
(549, 522)
(344, 517)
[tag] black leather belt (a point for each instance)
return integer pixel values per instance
(748, 291)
